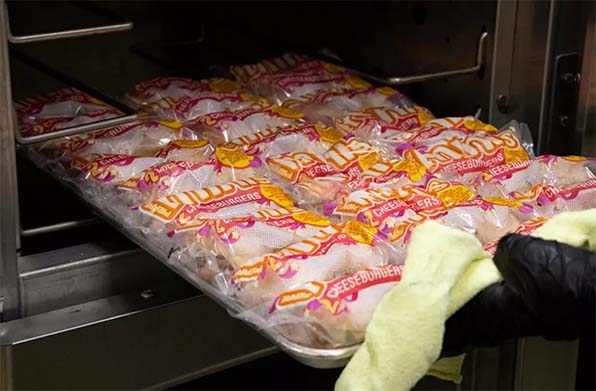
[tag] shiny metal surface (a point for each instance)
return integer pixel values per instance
(400, 80)
(74, 130)
(59, 226)
(19, 39)
(75, 347)
(9, 281)
(73, 275)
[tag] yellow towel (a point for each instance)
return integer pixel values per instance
(443, 270)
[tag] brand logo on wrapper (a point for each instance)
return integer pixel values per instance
(190, 203)
(293, 167)
(352, 155)
(330, 294)
(469, 154)
(232, 155)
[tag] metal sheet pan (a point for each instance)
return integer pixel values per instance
(314, 357)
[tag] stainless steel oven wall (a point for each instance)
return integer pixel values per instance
(9, 278)
(540, 49)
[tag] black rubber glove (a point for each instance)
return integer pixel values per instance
(556, 282)
(549, 290)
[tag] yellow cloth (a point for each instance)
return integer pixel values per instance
(443, 270)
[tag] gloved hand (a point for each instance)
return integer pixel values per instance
(549, 290)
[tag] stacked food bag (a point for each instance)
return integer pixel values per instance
(293, 190)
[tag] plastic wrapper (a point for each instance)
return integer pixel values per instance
(383, 122)
(168, 177)
(353, 155)
(395, 173)
(289, 61)
(548, 200)
(140, 138)
(464, 157)
(317, 139)
(335, 251)
(502, 180)
(564, 171)
(458, 206)
(190, 108)
(381, 208)
(188, 150)
(299, 167)
(229, 162)
(580, 196)
(100, 177)
(333, 312)
(294, 76)
(59, 110)
(315, 182)
(297, 84)
(261, 231)
(486, 220)
(328, 106)
(434, 130)
(231, 126)
(520, 177)
(526, 228)
(227, 200)
(157, 93)
(317, 191)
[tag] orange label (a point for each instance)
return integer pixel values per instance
(287, 112)
(231, 155)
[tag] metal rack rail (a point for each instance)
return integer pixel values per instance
(10, 290)
(401, 80)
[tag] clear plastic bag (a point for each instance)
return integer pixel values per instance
(335, 312)
(353, 155)
(191, 108)
(520, 177)
(100, 177)
(169, 177)
(435, 130)
(227, 163)
(526, 228)
(140, 138)
(382, 122)
(261, 231)
(335, 251)
(465, 157)
(329, 106)
(295, 77)
(232, 126)
(299, 167)
(289, 61)
(227, 200)
(381, 208)
(59, 110)
(188, 150)
(317, 139)
(160, 90)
